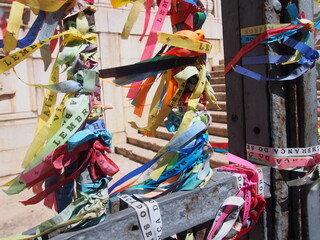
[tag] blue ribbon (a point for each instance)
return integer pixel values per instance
(272, 59)
(266, 59)
(309, 52)
(293, 12)
(220, 150)
(309, 56)
(295, 73)
(187, 158)
(173, 122)
(32, 34)
(193, 2)
(135, 172)
(64, 194)
(317, 25)
(175, 143)
(280, 36)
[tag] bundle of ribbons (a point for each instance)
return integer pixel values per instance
(180, 100)
(305, 57)
(71, 142)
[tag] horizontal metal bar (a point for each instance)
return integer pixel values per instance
(179, 211)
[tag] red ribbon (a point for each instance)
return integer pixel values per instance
(181, 12)
(182, 52)
(53, 42)
(100, 164)
(87, 153)
(3, 26)
(255, 212)
(146, 19)
(257, 202)
(220, 145)
(267, 34)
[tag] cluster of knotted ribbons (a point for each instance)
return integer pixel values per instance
(303, 59)
(71, 140)
(170, 170)
(181, 97)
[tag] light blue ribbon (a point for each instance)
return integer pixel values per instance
(317, 25)
(65, 86)
(85, 135)
(187, 158)
(177, 142)
(91, 188)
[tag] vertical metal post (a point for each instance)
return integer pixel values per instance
(307, 108)
(247, 99)
(234, 82)
(280, 131)
(272, 114)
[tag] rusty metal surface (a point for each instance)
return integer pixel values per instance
(179, 211)
(308, 94)
(281, 206)
(308, 136)
(280, 132)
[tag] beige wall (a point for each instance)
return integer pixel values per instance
(19, 109)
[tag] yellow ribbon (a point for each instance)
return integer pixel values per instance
(132, 18)
(82, 23)
(193, 101)
(261, 28)
(44, 5)
(209, 93)
(72, 35)
(45, 130)
(13, 27)
(168, 157)
(184, 42)
(119, 3)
